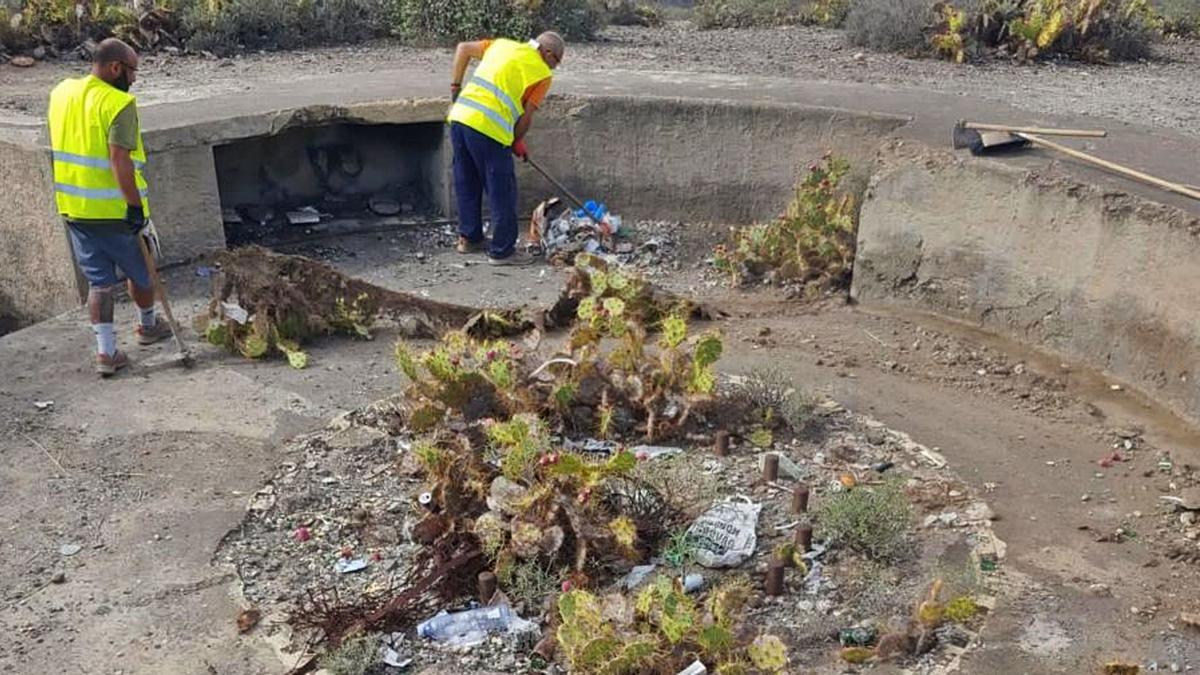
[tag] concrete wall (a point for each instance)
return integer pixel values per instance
(37, 273)
(673, 159)
(184, 201)
(1105, 279)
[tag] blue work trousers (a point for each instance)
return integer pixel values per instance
(483, 165)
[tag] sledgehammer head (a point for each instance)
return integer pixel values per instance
(985, 143)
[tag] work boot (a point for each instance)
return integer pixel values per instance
(107, 366)
(148, 336)
(467, 246)
(517, 258)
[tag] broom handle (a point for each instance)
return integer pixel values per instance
(1079, 133)
(1112, 166)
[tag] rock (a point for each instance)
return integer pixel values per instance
(39, 53)
(979, 511)
(860, 57)
(1190, 499)
(384, 207)
(69, 550)
(58, 578)
(23, 61)
(1101, 590)
(1187, 518)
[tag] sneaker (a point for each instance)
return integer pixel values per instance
(108, 366)
(517, 258)
(148, 336)
(467, 246)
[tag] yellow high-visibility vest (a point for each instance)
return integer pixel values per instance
(490, 100)
(81, 112)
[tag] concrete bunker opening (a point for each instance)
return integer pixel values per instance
(324, 179)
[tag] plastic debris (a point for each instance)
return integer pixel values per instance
(305, 215)
(696, 668)
(69, 550)
(648, 452)
(43, 405)
(302, 534)
(232, 310)
(390, 654)
(592, 446)
(637, 576)
(349, 565)
(464, 629)
(559, 229)
(205, 272)
(724, 536)
(1112, 458)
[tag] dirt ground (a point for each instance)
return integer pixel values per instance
(147, 473)
(1162, 93)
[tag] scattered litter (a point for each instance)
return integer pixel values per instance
(592, 446)
(724, 536)
(713, 466)
(231, 217)
(302, 534)
(69, 550)
(1111, 459)
(232, 310)
(648, 452)
(305, 215)
(946, 519)
(1188, 500)
(693, 583)
(205, 272)
(881, 467)
(934, 458)
(562, 230)
(464, 629)
(348, 565)
(391, 655)
(247, 619)
(637, 576)
(43, 405)
(696, 668)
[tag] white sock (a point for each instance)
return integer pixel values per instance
(106, 338)
(146, 316)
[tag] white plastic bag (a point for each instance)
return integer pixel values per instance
(724, 535)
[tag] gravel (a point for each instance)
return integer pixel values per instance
(1164, 92)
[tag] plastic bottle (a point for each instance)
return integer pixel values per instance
(469, 627)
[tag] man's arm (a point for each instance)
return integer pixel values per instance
(122, 140)
(462, 58)
(122, 168)
(523, 124)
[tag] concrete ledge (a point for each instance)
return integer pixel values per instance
(1104, 278)
(37, 270)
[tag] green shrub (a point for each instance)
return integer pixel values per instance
(356, 656)
(447, 21)
(60, 23)
(235, 25)
(889, 25)
(632, 13)
(812, 244)
(873, 520)
(1179, 17)
(746, 13)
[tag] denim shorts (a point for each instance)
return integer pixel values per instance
(99, 251)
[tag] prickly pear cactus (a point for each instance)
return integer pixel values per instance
(768, 654)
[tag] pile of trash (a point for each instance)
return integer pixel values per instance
(560, 232)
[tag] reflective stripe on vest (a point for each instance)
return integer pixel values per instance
(490, 103)
(93, 162)
(81, 113)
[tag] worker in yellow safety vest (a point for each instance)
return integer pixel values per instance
(492, 112)
(101, 193)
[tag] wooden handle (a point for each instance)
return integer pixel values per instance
(1078, 133)
(1112, 166)
(160, 292)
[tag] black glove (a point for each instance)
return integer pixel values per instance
(135, 218)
